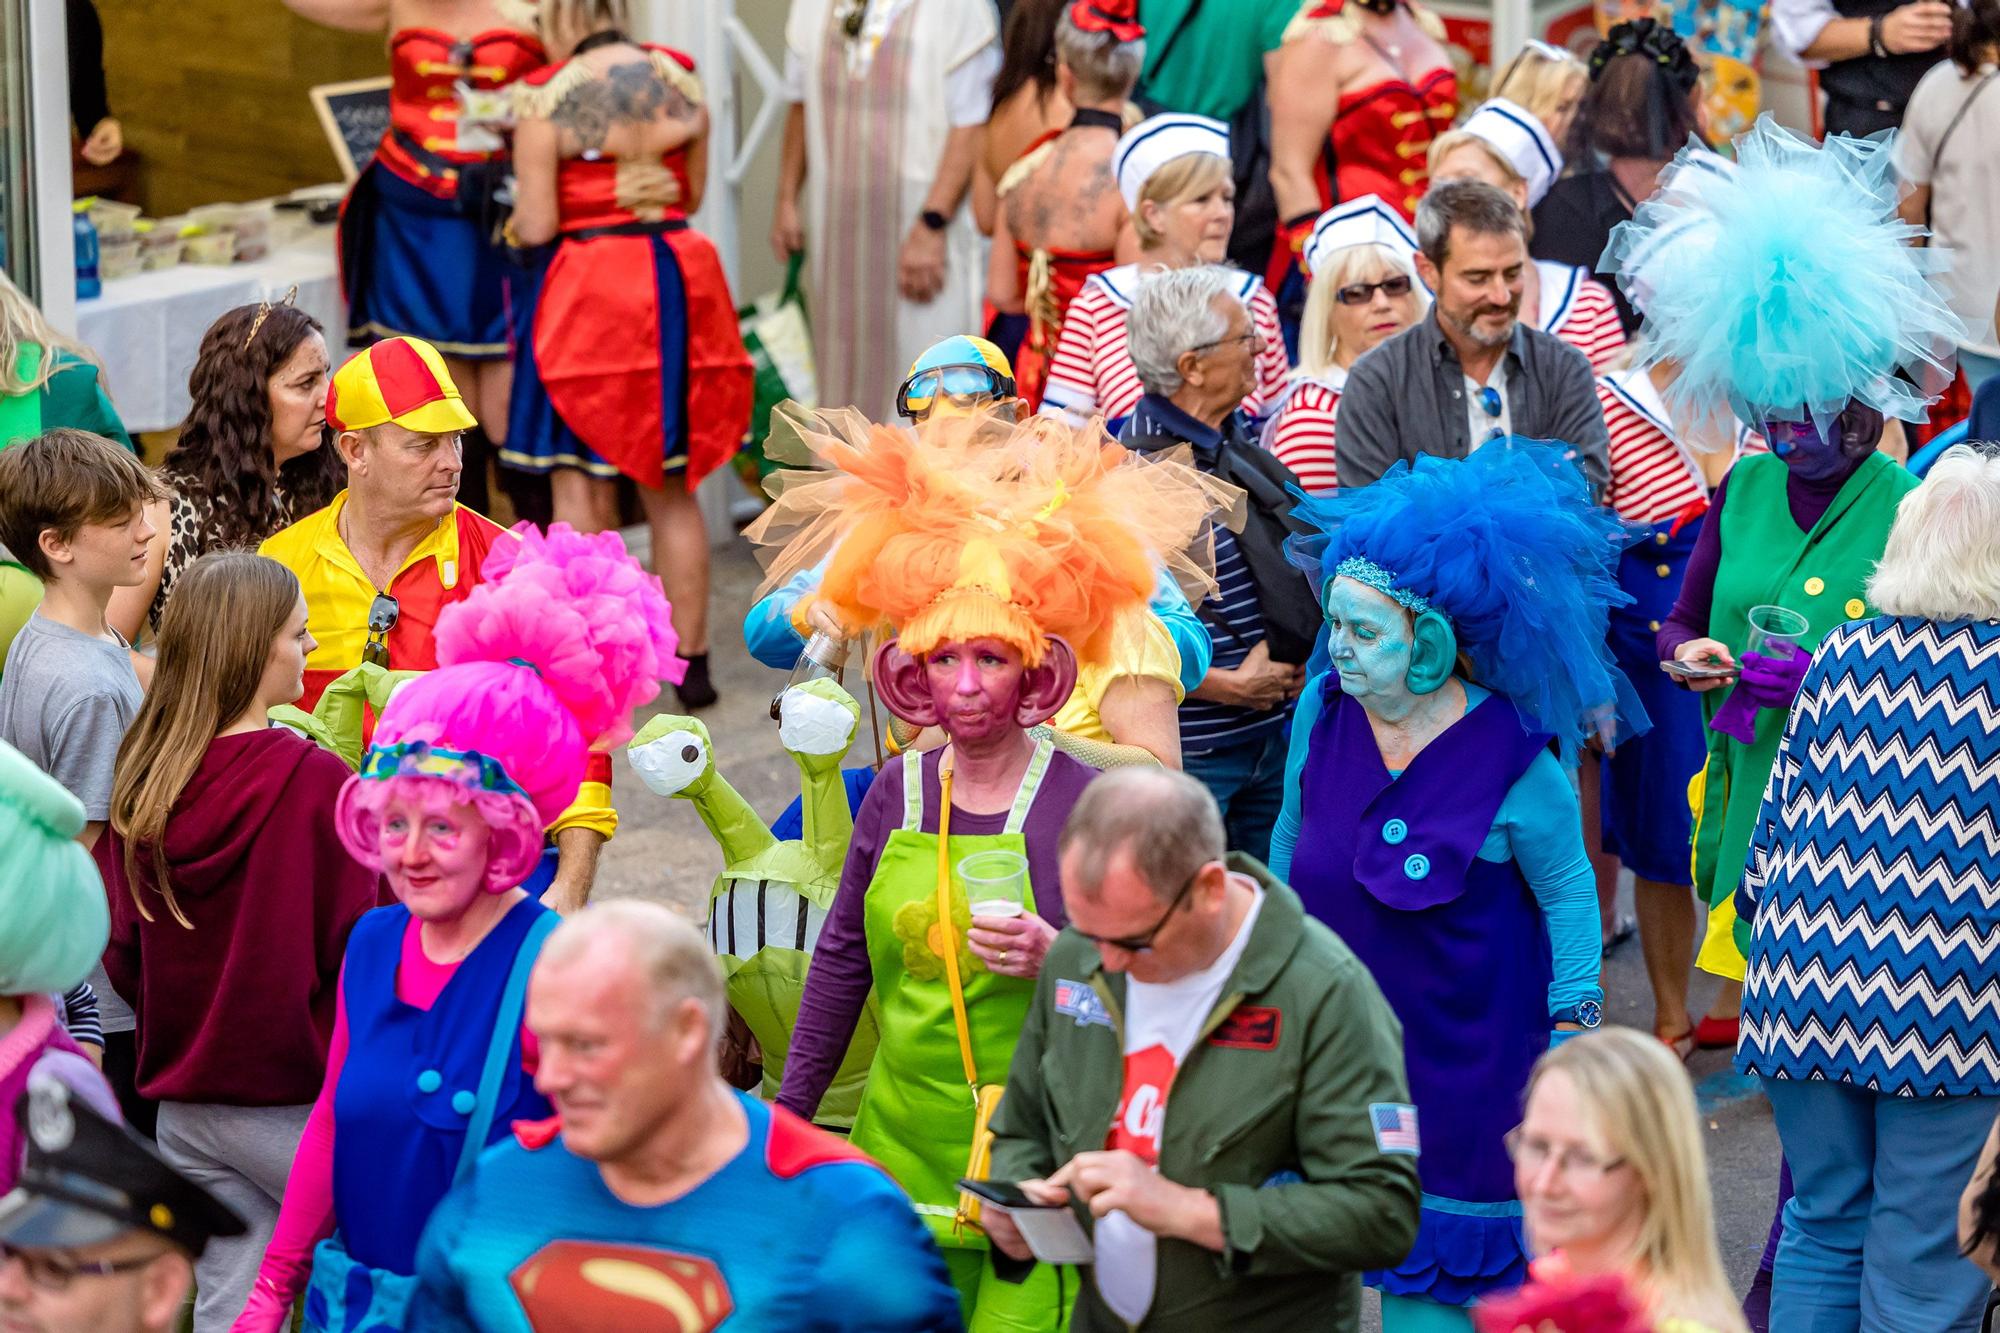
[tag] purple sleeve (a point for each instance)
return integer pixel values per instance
(1689, 619)
(838, 980)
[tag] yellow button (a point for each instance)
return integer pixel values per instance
(1653, 625)
(1815, 586)
(1855, 608)
(1664, 571)
(1660, 538)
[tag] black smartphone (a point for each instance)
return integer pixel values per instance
(1700, 670)
(1003, 1192)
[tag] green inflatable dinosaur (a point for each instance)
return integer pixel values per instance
(767, 905)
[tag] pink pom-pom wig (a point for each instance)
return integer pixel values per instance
(546, 658)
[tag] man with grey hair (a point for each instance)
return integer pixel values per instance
(1194, 982)
(1195, 348)
(659, 1197)
(1471, 372)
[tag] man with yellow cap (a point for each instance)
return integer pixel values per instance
(395, 548)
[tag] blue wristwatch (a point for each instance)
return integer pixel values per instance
(1586, 1014)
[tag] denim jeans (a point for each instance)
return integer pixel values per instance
(1248, 781)
(1871, 1236)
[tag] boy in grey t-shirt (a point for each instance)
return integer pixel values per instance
(66, 698)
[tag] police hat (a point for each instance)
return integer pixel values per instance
(88, 1179)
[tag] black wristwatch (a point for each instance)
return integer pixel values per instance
(933, 219)
(1876, 46)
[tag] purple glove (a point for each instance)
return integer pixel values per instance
(1772, 682)
(1736, 719)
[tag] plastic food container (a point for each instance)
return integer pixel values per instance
(111, 218)
(159, 242)
(205, 244)
(118, 256)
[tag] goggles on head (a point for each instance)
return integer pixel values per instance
(962, 384)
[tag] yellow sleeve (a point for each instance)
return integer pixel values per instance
(591, 809)
(1141, 647)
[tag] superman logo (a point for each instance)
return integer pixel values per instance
(581, 1286)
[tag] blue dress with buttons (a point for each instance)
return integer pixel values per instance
(407, 1087)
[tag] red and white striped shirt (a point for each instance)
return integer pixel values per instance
(1578, 309)
(1300, 433)
(1654, 474)
(1093, 375)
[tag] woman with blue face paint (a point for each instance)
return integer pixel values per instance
(1429, 822)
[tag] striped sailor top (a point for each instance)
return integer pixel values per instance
(1873, 885)
(1655, 477)
(1578, 309)
(1300, 432)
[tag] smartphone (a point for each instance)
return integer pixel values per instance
(1051, 1230)
(1700, 670)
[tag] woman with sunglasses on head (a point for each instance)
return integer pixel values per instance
(1427, 815)
(1361, 260)
(1173, 172)
(428, 1061)
(1609, 1165)
(231, 895)
(631, 365)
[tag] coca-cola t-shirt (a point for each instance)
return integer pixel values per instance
(1162, 1021)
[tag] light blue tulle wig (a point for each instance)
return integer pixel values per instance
(1509, 547)
(1784, 284)
(53, 917)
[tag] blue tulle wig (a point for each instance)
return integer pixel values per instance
(1784, 284)
(1508, 546)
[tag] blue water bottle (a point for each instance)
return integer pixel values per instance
(85, 232)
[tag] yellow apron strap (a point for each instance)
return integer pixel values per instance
(946, 932)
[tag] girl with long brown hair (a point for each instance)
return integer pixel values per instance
(231, 899)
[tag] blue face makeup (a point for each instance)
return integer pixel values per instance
(1369, 638)
(1806, 450)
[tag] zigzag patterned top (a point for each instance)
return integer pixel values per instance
(1874, 877)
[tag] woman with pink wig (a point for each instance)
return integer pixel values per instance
(429, 1063)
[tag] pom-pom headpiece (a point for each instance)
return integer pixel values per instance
(1508, 546)
(1786, 286)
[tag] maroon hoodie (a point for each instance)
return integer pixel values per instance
(239, 1010)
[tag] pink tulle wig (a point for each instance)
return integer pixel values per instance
(545, 660)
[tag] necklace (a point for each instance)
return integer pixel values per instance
(1096, 119)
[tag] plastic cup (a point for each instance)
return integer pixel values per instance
(1775, 631)
(996, 882)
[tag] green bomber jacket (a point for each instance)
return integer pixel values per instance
(1281, 1110)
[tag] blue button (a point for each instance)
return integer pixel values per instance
(463, 1102)
(1417, 867)
(1395, 831)
(429, 1081)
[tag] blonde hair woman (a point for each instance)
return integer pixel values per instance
(47, 378)
(1609, 1165)
(1364, 289)
(1549, 82)
(1174, 174)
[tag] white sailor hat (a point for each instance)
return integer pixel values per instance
(1151, 144)
(1520, 137)
(1362, 221)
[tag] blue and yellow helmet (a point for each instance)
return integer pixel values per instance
(965, 370)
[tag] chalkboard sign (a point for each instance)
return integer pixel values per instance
(355, 116)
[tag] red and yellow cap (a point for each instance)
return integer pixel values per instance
(401, 380)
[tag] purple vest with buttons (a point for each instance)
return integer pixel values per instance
(407, 1088)
(1457, 944)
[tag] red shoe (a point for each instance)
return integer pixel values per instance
(1716, 1034)
(1682, 1043)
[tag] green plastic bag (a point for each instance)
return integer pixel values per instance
(779, 340)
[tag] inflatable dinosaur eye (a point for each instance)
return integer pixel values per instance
(669, 754)
(691, 754)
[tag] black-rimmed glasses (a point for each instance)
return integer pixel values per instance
(1144, 943)
(383, 613)
(51, 1273)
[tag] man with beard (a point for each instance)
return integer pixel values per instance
(1472, 372)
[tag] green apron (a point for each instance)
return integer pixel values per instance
(21, 413)
(916, 1114)
(1822, 575)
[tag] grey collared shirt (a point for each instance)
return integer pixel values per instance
(1406, 398)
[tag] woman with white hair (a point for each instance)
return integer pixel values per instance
(1609, 1165)
(1174, 173)
(1364, 289)
(1873, 893)
(1513, 150)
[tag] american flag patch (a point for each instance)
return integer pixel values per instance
(1080, 1002)
(1395, 1126)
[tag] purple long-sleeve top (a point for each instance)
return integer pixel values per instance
(837, 984)
(1809, 501)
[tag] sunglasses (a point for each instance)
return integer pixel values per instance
(965, 386)
(383, 613)
(1490, 404)
(1360, 293)
(1143, 943)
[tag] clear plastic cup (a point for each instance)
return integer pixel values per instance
(995, 882)
(1775, 631)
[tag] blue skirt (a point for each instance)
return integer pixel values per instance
(538, 439)
(1645, 816)
(416, 265)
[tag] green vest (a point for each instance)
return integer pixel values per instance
(21, 413)
(1822, 575)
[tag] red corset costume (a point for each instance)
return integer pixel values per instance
(425, 66)
(1048, 281)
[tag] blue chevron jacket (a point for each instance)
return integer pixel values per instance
(1873, 885)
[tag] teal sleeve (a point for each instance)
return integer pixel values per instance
(439, 1303)
(1285, 833)
(1190, 636)
(767, 628)
(73, 397)
(1544, 832)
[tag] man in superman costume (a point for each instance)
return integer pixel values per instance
(659, 1197)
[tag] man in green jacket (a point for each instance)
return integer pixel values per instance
(1209, 1078)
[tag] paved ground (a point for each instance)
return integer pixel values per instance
(663, 852)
